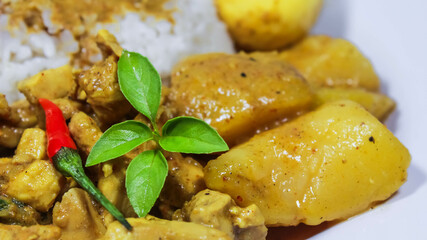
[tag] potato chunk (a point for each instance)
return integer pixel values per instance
(237, 93)
(50, 84)
(325, 61)
(268, 24)
(377, 104)
(328, 164)
(38, 185)
(150, 228)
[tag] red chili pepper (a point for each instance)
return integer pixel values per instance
(56, 128)
(62, 152)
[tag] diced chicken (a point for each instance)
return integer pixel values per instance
(103, 92)
(23, 114)
(15, 212)
(108, 44)
(32, 146)
(236, 94)
(77, 216)
(51, 84)
(184, 180)
(68, 107)
(9, 136)
(112, 182)
(4, 107)
(84, 131)
(218, 210)
(38, 185)
(154, 229)
(36, 232)
(8, 172)
(112, 185)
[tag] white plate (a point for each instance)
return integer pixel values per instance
(393, 34)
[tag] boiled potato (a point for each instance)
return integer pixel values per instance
(237, 94)
(377, 104)
(268, 24)
(325, 61)
(328, 164)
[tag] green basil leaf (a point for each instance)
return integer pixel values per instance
(145, 177)
(140, 83)
(191, 135)
(119, 139)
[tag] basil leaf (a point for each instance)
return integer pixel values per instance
(140, 83)
(145, 177)
(118, 140)
(191, 135)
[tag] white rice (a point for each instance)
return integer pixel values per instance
(196, 30)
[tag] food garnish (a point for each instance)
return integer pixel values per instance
(62, 152)
(141, 85)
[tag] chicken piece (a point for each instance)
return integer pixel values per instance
(77, 216)
(69, 107)
(9, 136)
(32, 146)
(184, 180)
(38, 185)
(151, 228)
(15, 212)
(8, 172)
(4, 107)
(84, 131)
(36, 232)
(112, 185)
(21, 115)
(50, 84)
(103, 92)
(329, 62)
(328, 164)
(236, 94)
(377, 104)
(108, 44)
(218, 210)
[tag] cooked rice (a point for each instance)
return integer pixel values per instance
(196, 30)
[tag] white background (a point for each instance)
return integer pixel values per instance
(393, 35)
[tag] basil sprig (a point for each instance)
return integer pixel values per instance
(145, 176)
